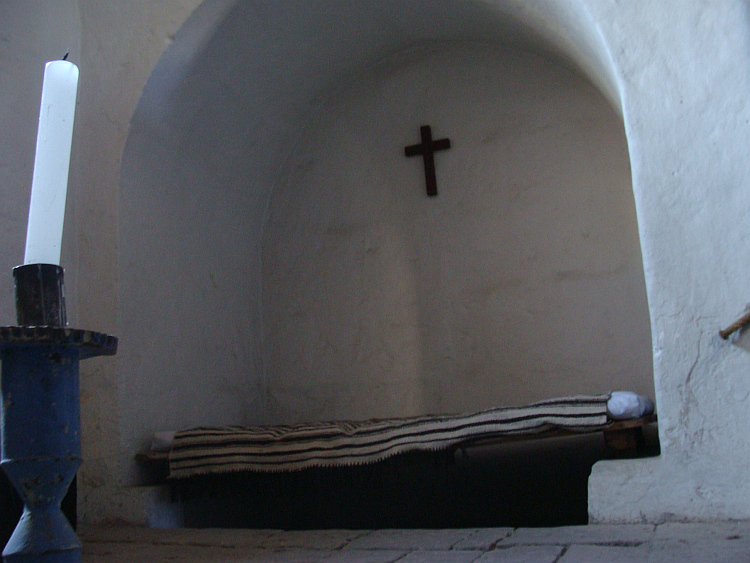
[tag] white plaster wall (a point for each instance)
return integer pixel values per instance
(121, 42)
(522, 280)
(218, 117)
(677, 66)
(683, 73)
(296, 53)
(189, 229)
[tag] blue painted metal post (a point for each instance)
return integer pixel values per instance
(41, 432)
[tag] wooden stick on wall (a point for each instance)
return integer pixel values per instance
(742, 322)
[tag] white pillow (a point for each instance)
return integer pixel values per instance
(623, 405)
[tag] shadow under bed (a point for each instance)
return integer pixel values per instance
(518, 484)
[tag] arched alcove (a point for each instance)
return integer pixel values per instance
(521, 280)
(226, 161)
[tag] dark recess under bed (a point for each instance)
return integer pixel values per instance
(535, 483)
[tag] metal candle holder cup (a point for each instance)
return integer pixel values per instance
(40, 295)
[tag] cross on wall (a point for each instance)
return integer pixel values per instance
(427, 149)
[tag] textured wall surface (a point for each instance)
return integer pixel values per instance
(676, 71)
(212, 136)
(683, 71)
(522, 280)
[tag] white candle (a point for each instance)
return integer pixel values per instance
(50, 181)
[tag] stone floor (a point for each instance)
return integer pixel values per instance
(721, 542)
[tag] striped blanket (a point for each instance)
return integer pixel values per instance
(327, 444)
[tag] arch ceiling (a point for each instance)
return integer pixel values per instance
(269, 61)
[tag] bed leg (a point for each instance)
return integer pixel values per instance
(625, 440)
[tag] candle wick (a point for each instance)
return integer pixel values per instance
(65, 58)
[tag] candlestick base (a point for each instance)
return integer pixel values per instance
(41, 441)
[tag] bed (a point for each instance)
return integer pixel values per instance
(214, 450)
(525, 465)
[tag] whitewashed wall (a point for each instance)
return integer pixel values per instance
(683, 70)
(218, 121)
(676, 69)
(522, 280)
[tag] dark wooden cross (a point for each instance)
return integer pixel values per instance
(427, 149)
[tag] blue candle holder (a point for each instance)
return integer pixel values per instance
(40, 422)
